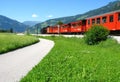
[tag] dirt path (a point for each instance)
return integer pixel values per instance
(16, 64)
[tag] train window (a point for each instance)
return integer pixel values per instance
(104, 19)
(111, 18)
(119, 17)
(89, 22)
(79, 24)
(98, 20)
(93, 21)
(74, 25)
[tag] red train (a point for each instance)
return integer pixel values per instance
(110, 20)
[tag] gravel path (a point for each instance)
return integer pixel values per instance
(117, 38)
(16, 64)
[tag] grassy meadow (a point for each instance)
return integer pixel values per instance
(71, 60)
(10, 42)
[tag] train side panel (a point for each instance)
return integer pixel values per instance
(49, 29)
(65, 28)
(76, 27)
(55, 30)
(110, 22)
(107, 20)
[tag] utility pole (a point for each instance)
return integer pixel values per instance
(37, 30)
(59, 23)
(58, 28)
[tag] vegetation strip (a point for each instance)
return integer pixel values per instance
(71, 60)
(10, 42)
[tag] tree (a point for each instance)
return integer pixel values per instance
(59, 23)
(27, 32)
(11, 30)
(96, 34)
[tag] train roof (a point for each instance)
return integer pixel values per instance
(64, 24)
(75, 22)
(104, 14)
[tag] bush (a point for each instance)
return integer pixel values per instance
(96, 34)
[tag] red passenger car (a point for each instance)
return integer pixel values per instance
(110, 20)
(76, 27)
(49, 29)
(65, 28)
(56, 30)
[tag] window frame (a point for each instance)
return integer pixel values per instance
(111, 18)
(104, 19)
(79, 24)
(98, 20)
(74, 25)
(88, 21)
(93, 21)
(118, 16)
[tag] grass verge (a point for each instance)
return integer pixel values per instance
(71, 60)
(10, 42)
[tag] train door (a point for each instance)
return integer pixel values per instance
(84, 26)
(48, 30)
(69, 28)
(111, 22)
(118, 21)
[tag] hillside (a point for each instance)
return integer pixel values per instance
(31, 23)
(7, 23)
(112, 6)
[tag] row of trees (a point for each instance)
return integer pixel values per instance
(8, 30)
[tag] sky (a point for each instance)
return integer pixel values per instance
(42, 10)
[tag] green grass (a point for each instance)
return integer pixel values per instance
(10, 42)
(71, 60)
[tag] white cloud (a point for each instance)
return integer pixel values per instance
(34, 15)
(49, 16)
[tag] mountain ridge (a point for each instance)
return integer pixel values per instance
(31, 23)
(7, 23)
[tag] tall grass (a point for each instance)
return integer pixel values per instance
(10, 42)
(71, 60)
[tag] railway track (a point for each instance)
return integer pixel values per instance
(117, 37)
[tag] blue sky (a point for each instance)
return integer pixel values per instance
(41, 10)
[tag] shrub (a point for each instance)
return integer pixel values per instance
(96, 34)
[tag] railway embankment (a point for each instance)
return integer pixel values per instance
(79, 36)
